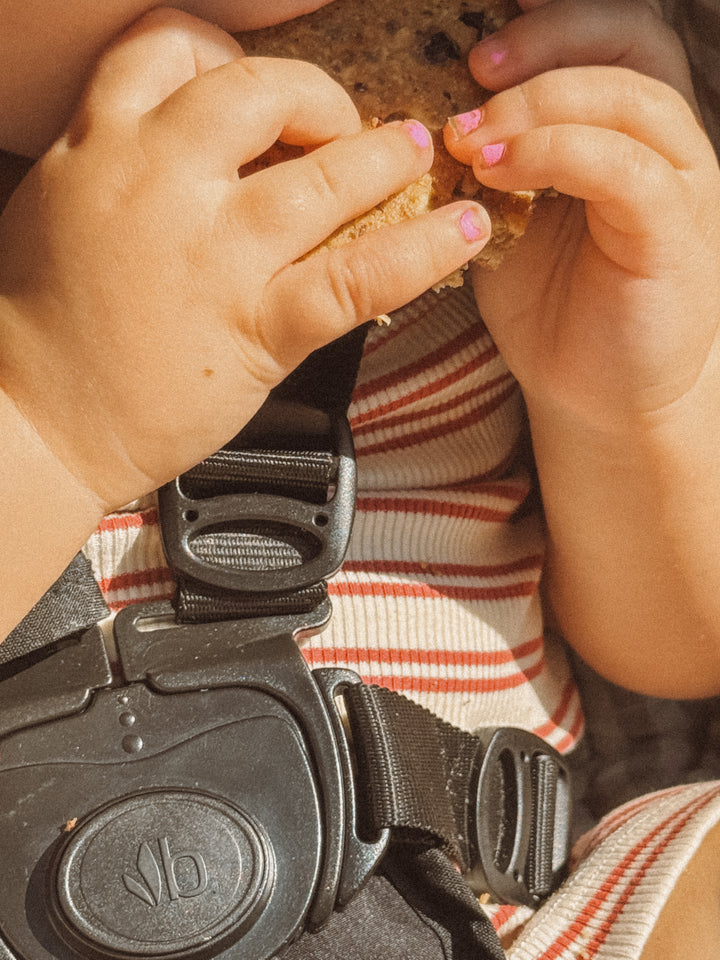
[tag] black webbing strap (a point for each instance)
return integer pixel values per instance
(432, 784)
(73, 604)
(416, 771)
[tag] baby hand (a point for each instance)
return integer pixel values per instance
(608, 311)
(152, 297)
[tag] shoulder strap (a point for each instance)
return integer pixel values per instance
(73, 604)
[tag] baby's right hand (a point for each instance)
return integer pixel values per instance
(151, 297)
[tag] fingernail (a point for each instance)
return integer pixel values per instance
(465, 123)
(492, 49)
(419, 134)
(492, 153)
(473, 226)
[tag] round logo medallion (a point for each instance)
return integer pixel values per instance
(163, 873)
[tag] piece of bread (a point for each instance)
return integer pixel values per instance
(403, 59)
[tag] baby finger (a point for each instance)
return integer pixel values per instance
(228, 116)
(376, 274)
(611, 97)
(292, 207)
(632, 194)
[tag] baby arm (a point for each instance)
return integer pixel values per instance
(608, 315)
(151, 298)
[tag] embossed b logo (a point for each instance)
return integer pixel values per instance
(154, 870)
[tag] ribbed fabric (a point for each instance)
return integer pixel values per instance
(627, 869)
(438, 598)
(127, 557)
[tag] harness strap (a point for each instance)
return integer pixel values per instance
(253, 532)
(496, 802)
(72, 605)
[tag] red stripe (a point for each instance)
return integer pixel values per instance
(128, 521)
(559, 716)
(389, 656)
(416, 569)
(440, 430)
(361, 422)
(136, 579)
(501, 916)
(465, 339)
(492, 474)
(515, 490)
(432, 508)
(637, 878)
(560, 712)
(450, 685)
(411, 315)
(573, 734)
(424, 591)
(616, 820)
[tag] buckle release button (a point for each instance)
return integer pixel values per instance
(161, 874)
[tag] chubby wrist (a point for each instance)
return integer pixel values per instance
(655, 445)
(46, 515)
(26, 454)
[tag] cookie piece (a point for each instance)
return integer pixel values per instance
(401, 60)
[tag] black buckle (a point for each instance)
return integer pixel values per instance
(519, 826)
(292, 439)
(205, 800)
(203, 803)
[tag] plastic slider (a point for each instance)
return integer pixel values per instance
(313, 532)
(520, 820)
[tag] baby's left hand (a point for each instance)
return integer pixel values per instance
(608, 311)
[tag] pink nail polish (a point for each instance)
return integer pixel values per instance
(419, 134)
(492, 153)
(493, 50)
(465, 123)
(472, 227)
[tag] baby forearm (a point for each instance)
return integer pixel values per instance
(634, 553)
(46, 515)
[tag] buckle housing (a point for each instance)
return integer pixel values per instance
(153, 825)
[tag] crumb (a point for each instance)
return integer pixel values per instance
(71, 824)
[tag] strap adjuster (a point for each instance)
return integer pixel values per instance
(497, 801)
(266, 519)
(519, 826)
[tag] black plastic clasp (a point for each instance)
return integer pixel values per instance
(195, 804)
(323, 527)
(520, 823)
